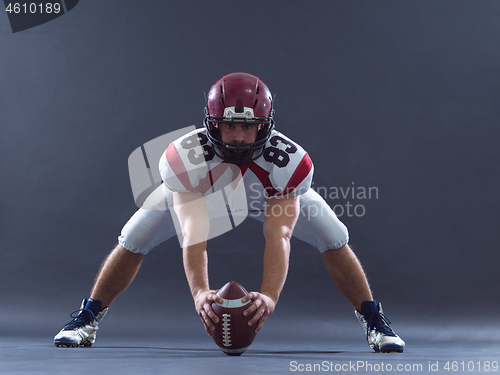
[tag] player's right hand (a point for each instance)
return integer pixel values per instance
(203, 304)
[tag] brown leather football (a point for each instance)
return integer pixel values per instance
(233, 334)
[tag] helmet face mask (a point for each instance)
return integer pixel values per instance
(239, 99)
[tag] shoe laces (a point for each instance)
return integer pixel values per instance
(81, 319)
(380, 323)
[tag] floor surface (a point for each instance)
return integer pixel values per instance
(432, 350)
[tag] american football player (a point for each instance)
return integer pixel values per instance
(238, 150)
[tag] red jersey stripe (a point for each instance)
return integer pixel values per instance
(299, 174)
(175, 162)
(263, 176)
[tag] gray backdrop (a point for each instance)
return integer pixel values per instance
(401, 96)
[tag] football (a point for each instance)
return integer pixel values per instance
(232, 334)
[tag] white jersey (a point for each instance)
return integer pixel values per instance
(190, 164)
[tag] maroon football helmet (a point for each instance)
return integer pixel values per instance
(239, 98)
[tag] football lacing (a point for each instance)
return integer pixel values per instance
(226, 332)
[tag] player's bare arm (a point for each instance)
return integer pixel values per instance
(281, 216)
(191, 210)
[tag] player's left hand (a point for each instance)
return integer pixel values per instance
(262, 305)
